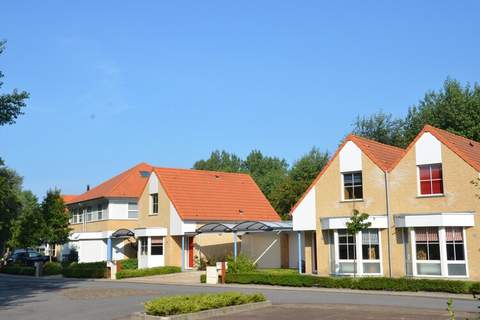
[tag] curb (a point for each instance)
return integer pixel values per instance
(204, 314)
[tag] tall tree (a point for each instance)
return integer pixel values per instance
(455, 107)
(10, 205)
(11, 104)
(300, 176)
(28, 227)
(268, 172)
(55, 218)
(381, 127)
(220, 161)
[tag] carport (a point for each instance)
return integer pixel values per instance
(246, 227)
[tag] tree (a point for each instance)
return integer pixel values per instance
(55, 218)
(268, 172)
(357, 222)
(381, 127)
(11, 104)
(10, 204)
(220, 161)
(455, 108)
(300, 176)
(28, 227)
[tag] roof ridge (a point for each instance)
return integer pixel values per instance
(203, 171)
(376, 142)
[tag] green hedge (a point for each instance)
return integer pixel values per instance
(51, 268)
(147, 272)
(16, 269)
(167, 306)
(86, 270)
(363, 283)
(129, 264)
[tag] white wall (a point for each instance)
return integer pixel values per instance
(177, 225)
(428, 149)
(350, 158)
(117, 209)
(264, 247)
(92, 250)
(304, 215)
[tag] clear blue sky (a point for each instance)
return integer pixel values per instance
(113, 84)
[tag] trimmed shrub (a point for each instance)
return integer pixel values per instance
(363, 283)
(147, 272)
(475, 289)
(86, 270)
(18, 269)
(243, 264)
(51, 268)
(129, 264)
(168, 306)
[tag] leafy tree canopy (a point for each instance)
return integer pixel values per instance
(455, 108)
(55, 218)
(11, 104)
(27, 229)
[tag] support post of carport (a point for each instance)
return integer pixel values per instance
(183, 253)
(299, 240)
(235, 246)
(109, 249)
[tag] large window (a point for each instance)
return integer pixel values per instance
(132, 210)
(440, 251)
(157, 246)
(366, 243)
(455, 251)
(99, 212)
(352, 186)
(154, 203)
(431, 179)
(88, 214)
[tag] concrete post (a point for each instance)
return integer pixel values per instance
(299, 240)
(109, 249)
(235, 246)
(183, 253)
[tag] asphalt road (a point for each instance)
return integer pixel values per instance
(48, 299)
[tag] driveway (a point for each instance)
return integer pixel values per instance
(28, 298)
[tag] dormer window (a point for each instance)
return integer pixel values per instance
(352, 185)
(430, 179)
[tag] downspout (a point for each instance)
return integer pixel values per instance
(387, 200)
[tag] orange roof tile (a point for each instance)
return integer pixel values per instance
(210, 195)
(68, 197)
(128, 184)
(467, 149)
(383, 155)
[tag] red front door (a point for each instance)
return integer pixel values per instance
(190, 252)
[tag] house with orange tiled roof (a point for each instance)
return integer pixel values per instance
(421, 203)
(155, 213)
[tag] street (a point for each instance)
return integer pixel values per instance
(48, 299)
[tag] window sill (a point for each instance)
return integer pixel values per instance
(153, 214)
(421, 196)
(351, 200)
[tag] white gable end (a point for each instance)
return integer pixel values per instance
(428, 149)
(350, 157)
(304, 215)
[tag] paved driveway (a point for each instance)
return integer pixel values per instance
(28, 298)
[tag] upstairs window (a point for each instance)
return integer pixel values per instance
(431, 179)
(154, 203)
(352, 186)
(132, 210)
(99, 212)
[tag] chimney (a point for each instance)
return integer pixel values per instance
(88, 187)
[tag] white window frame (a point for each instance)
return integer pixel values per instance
(151, 213)
(419, 192)
(443, 256)
(359, 254)
(342, 186)
(128, 210)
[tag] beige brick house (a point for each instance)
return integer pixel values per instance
(422, 205)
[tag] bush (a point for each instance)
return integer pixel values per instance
(129, 264)
(51, 268)
(147, 272)
(17, 269)
(86, 270)
(194, 303)
(364, 283)
(243, 264)
(203, 262)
